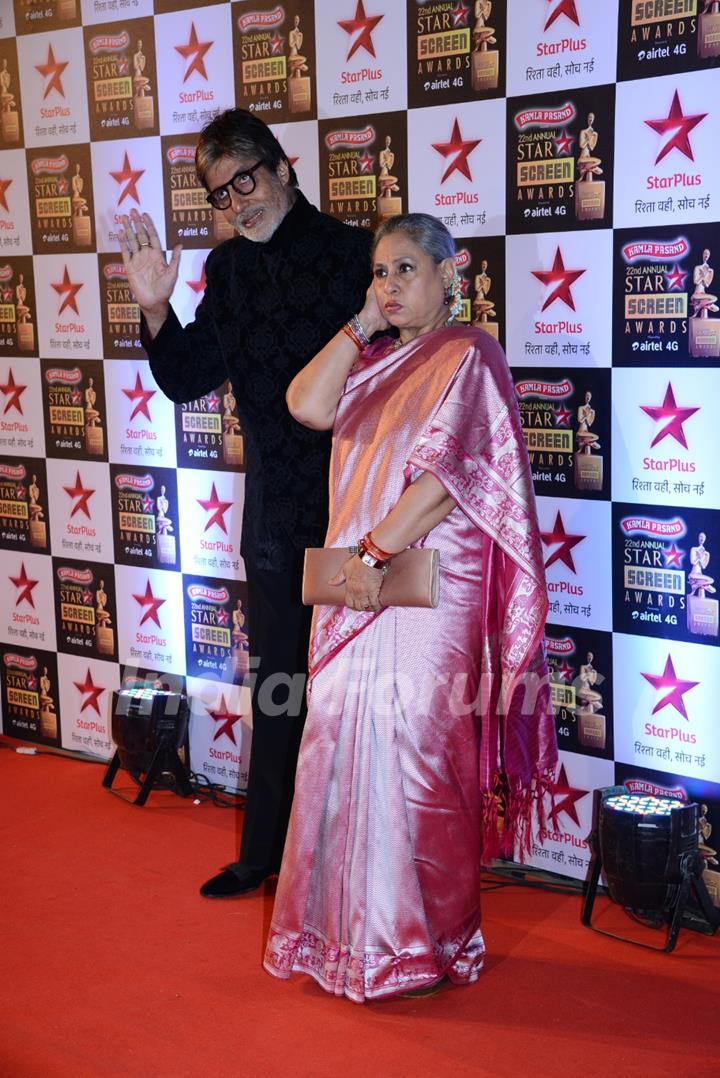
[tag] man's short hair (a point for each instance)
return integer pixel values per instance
(239, 133)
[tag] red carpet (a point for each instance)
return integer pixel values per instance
(113, 965)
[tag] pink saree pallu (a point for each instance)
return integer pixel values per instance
(423, 753)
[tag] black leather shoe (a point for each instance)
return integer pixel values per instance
(230, 884)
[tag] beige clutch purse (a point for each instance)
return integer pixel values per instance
(413, 578)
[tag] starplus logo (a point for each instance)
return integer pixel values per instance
(90, 692)
(458, 151)
(52, 70)
(69, 290)
(4, 184)
(360, 29)
(558, 282)
(81, 496)
(225, 720)
(194, 51)
(563, 542)
(24, 585)
(674, 689)
(217, 507)
(128, 176)
(560, 8)
(150, 605)
(673, 418)
(139, 398)
(675, 129)
(12, 391)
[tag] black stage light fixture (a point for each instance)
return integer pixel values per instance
(648, 849)
(149, 726)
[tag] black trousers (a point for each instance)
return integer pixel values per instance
(278, 632)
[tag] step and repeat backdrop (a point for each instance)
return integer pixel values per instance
(570, 147)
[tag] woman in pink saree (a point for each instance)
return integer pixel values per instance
(429, 740)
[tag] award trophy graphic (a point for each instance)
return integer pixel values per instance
(9, 118)
(239, 646)
(388, 204)
(702, 613)
(94, 434)
(708, 42)
(233, 442)
(589, 192)
(704, 331)
(81, 226)
(298, 84)
(25, 328)
(482, 307)
(38, 529)
(166, 545)
(711, 874)
(588, 465)
(48, 717)
(591, 721)
(485, 62)
(104, 633)
(143, 106)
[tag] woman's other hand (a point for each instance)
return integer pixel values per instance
(362, 584)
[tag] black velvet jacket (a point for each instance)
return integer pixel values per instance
(267, 309)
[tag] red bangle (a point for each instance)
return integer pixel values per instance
(353, 337)
(372, 548)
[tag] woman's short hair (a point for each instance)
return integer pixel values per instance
(430, 234)
(238, 133)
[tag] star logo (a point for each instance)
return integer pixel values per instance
(52, 70)
(222, 616)
(366, 160)
(563, 542)
(82, 495)
(276, 44)
(213, 401)
(198, 287)
(675, 278)
(564, 7)
(13, 392)
(673, 417)
(673, 556)
(129, 176)
(360, 29)
(25, 586)
(150, 605)
(563, 143)
(564, 672)
(195, 52)
(565, 798)
(69, 290)
(147, 503)
(139, 397)
(558, 281)
(678, 127)
(678, 687)
(90, 691)
(4, 184)
(459, 14)
(458, 151)
(217, 507)
(562, 415)
(226, 721)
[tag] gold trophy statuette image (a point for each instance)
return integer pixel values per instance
(94, 434)
(38, 530)
(388, 204)
(591, 721)
(81, 226)
(704, 331)
(240, 655)
(9, 118)
(233, 442)
(589, 191)
(711, 875)
(299, 90)
(104, 633)
(485, 61)
(25, 328)
(588, 465)
(166, 545)
(48, 718)
(702, 612)
(143, 104)
(708, 42)
(483, 309)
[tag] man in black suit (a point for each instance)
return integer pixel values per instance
(275, 294)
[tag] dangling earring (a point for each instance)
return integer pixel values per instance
(453, 297)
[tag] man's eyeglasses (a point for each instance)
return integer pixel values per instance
(243, 182)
